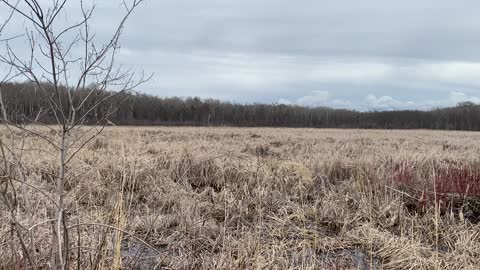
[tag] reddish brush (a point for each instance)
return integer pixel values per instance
(461, 181)
(404, 174)
(453, 185)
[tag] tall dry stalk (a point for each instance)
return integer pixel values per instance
(437, 214)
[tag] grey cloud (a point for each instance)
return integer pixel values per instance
(411, 29)
(384, 103)
(403, 54)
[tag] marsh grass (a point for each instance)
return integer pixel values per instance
(229, 198)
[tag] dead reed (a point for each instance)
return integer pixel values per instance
(230, 198)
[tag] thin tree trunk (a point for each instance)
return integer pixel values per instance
(60, 214)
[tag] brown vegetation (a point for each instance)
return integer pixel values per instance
(231, 198)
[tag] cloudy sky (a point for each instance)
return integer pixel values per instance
(364, 55)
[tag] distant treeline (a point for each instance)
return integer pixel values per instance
(24, 100)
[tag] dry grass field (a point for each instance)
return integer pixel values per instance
(231, 198)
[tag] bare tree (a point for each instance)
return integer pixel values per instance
(79, 79)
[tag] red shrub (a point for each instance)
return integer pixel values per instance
(454, 185)
(460, 181)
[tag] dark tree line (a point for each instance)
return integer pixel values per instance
(25, 101)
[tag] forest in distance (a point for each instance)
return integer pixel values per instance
(25, 100)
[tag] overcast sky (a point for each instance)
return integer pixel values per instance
(365, 55)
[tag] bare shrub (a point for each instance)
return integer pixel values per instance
(455, 188)
(80, 84)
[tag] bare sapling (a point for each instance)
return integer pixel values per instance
(81, 84)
